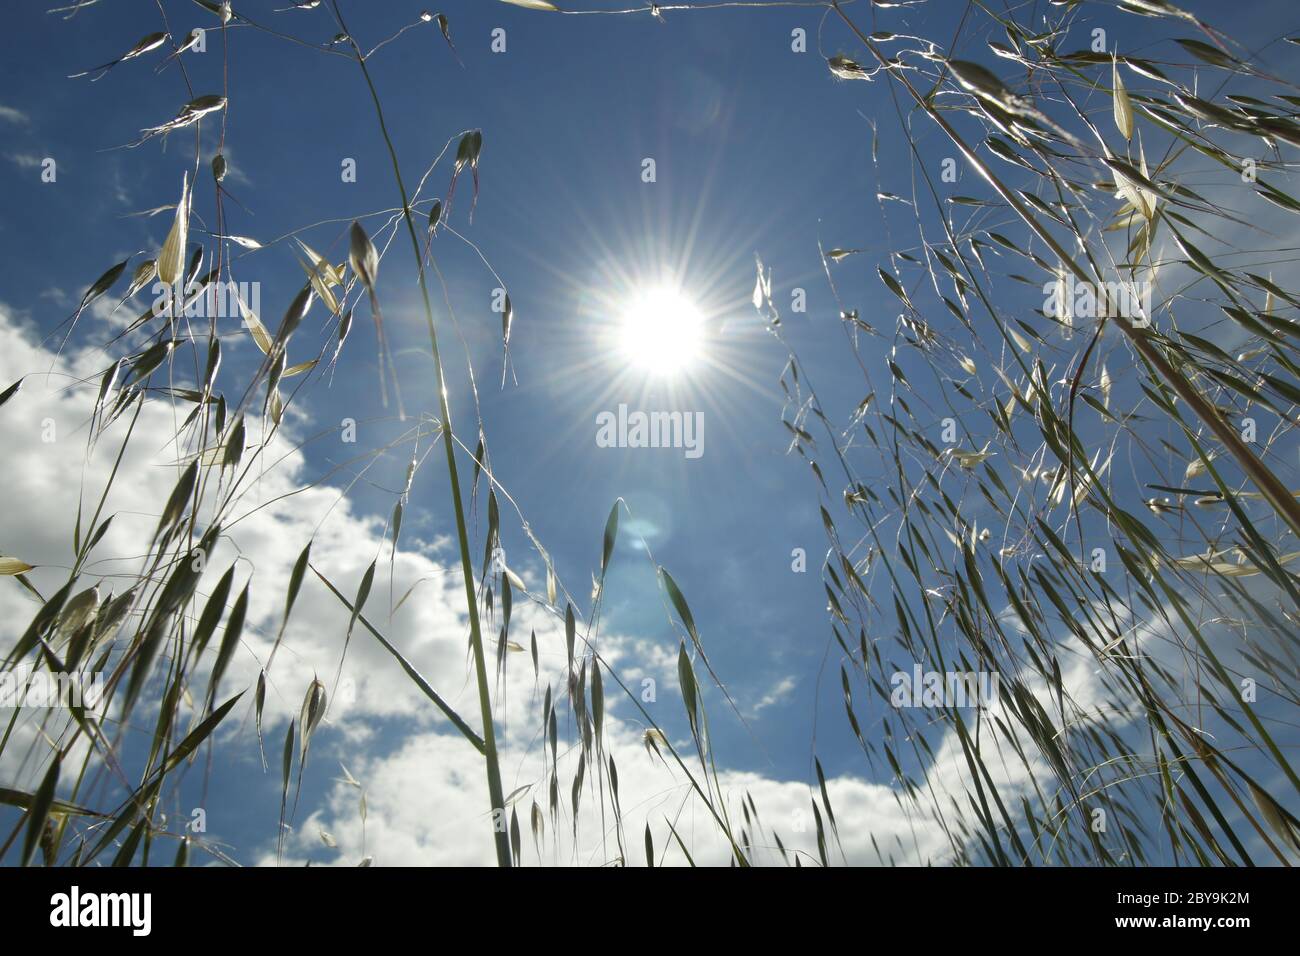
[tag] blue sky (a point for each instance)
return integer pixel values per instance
(757, 149)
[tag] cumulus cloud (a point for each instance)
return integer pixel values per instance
(423, 784)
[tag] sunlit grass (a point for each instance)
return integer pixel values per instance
(978, 550)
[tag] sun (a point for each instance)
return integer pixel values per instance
(661, 331)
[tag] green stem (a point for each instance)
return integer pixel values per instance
(495, 793)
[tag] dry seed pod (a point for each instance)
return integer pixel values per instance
(363, 257)
(171, 260)
(151, 42)
(847, 69)
(1123, 107)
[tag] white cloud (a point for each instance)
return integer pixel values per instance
(25, 160)
(424, 785)
(779, 691)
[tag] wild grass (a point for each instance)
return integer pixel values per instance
(167, 639)
(1120, 674)
(1078, 504)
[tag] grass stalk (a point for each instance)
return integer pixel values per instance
(495, 792)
